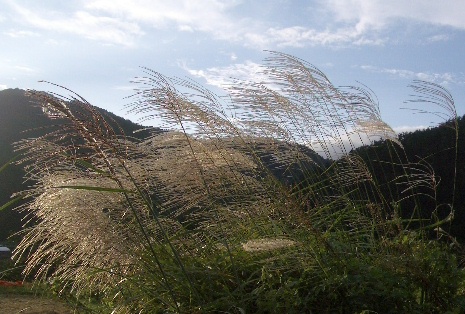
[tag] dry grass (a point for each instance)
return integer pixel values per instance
(267, 244)
(33, 305)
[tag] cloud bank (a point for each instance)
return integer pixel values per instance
(438, 78)
(346, 22)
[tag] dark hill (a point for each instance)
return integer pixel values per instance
(21, 118)
(434, 148)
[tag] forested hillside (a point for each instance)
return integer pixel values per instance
(432, 155)
(18, 119)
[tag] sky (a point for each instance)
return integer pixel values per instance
(97, 47)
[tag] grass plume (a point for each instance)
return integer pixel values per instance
(232, 209)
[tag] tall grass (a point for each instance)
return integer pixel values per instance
(231, 210)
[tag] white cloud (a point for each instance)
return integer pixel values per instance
(363, 22)
(124, 87)
(436, 38)
(24, 69)
(10, 69)
(186, 28)
(369, 14)
(300, 36)
(101, 28)
(328, 65)
(224, 76)
(409, 128)
(349, 21)
(20, 33)
(207, 16)
(344, 141)
(357, 22)
(3, 86)
(439, 78)
(121, 21)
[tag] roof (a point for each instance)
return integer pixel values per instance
(4, 249)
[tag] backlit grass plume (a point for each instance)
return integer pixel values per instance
(250, 205)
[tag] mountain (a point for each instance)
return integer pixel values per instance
(433, 154)
(20, 118)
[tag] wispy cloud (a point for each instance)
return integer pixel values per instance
(355, 22)
(377, 14)
(346, 22)
(20, 33)
(445, 78)
(436, 38)
(224, 76)
(159, 13)
(106, 29)
(215, 17)
(208, 16)
(298, 36)
(409, 128)
(12, 68)
(349, 21)
(124, 87)
(24, 69)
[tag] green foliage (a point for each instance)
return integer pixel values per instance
(234, 215)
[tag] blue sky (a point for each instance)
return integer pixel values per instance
(96, 47)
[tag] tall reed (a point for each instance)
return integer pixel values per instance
(232, 209)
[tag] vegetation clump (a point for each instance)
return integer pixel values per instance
(235, 209)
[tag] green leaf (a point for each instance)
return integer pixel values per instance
(93, 188)
(8, 204)
(8, 163)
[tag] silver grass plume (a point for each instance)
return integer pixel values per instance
(110, 209)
